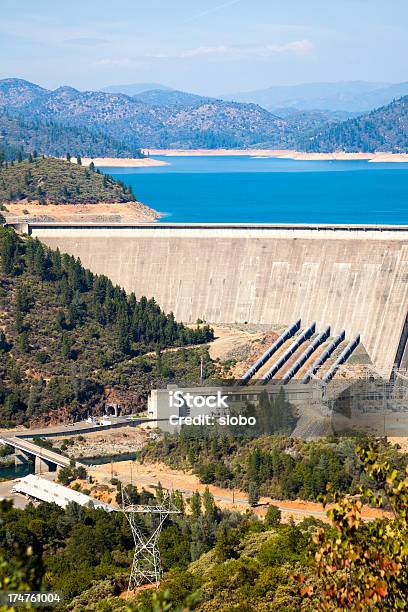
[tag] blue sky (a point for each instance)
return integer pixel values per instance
(205, 46)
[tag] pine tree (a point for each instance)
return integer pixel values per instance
(39, 261)
(3, 341)
(19, 321)
(159, 493)
(195, 504)
(66, 346)
(23, 302)
(209, 505)
(61, 321)
(56, 263)
(23, 342)
(253, 494)
(123, 342)
(178, 500)
(273, 516)
(8, 251)
(254, 464)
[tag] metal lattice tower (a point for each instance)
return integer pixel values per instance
(146, 566)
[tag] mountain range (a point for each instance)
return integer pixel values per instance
(100, 123)
(384, 129)
(350, 96)
(172, 98)
(135, 88)
(208, 123)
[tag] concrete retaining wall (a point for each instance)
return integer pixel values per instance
(349, 278)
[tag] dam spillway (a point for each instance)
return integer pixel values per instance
(352, 277)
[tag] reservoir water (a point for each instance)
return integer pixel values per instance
(270, 190)
(102, 460)
(9, 472)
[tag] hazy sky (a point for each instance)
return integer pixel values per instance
(205, 46)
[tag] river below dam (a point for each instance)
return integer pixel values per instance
(271, 190)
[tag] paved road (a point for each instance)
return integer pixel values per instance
(69, 429)
(169, 481)
(38, 451)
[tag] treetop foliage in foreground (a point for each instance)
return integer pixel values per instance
(212, 558)
(218, 560)
(364, 566)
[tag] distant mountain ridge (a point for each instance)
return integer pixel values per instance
(172, 98)
(18, 92)
(133, 89)
(114, 124)
(208, 123)
(351, 96)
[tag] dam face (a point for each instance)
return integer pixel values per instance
(354, 278)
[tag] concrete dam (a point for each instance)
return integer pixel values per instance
(351, 277)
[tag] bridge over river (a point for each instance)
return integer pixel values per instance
(45, 459)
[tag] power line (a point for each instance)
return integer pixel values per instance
(146, 565)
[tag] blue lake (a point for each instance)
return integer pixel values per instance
(259, 190)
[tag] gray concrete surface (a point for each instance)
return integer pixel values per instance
(347, 277)
(70, 429)
(44, 456)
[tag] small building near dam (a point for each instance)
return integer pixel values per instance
(45, 490)
(174, 406)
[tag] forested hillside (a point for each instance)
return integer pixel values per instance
(55, 181)
(212, 124)
(193, 123)
(100, 123)
(8, 152)
(67, 337)
(217, 561)
(385, 129)
(50, 137)
(211, 558)
(275, 466)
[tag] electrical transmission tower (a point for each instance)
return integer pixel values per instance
(146, 566)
